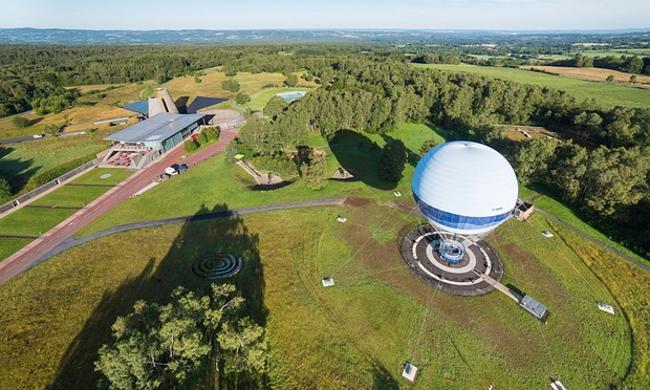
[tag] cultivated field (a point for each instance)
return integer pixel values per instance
(605, 94)
(592, 74)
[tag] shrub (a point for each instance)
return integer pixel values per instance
(231, 85)
(392, 161)
(202, 138)
(291, 81)
(242, 98)
(314, 173)
(5, 189)
(230, 72)
(21, 122)
(190, 146)
(211, 133)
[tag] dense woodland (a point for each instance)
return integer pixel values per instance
(601, 166)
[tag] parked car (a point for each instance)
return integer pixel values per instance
(171, 170)
(182, 168)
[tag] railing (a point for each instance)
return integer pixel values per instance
(47, 186)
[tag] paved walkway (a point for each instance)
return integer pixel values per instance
(71, 241)
(35, 250)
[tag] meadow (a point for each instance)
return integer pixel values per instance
(355, 334)
(604, 93)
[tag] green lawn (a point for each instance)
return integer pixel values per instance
(606, 94)
(356, 334)
(26, 160)
(259, 99)
(33, 221)
(10, 245)
(215, 181)
(94, 176)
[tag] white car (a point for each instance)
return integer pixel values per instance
(171, 171)
(38, 136)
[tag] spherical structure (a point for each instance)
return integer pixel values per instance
(465, 188)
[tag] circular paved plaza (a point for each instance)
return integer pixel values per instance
(421, 250)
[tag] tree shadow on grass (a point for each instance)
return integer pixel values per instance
(16, 171)
(199, 237)
(360, 156)
(382, 379)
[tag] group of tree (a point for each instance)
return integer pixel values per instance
(623, 63)
(192, 341)
(372, 96)
(231, 85)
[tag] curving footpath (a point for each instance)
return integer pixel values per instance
(71, 242)
(35, 250)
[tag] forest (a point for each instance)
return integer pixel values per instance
(600, 165)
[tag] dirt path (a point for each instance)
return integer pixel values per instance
(30, 254)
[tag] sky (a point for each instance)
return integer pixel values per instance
(323, 14)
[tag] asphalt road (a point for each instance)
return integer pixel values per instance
(17, 140)
(35, 250)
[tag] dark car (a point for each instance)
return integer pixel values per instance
(182, 168)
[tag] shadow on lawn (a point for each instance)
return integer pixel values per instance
(16, 171)
(156, 281)
(360, 156)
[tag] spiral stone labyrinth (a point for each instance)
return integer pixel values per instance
(215, 266)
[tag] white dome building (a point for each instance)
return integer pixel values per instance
(465, 188)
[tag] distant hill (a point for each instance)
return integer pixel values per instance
(65, 36)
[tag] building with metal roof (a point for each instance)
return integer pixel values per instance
(534, 307)
(162, 131)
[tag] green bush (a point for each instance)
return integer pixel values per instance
(202, 138)
(231, 85)
(212, 133)
(291, 81)
(5, 189)
(21, 122)
(190, 146)
(242, 98)
(55, 172)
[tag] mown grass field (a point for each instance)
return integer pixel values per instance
(34, 221)
(356, 334)
(605, 94)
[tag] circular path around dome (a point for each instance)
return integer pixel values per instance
(419, 251)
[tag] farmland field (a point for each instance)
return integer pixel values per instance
(605, 94)
(593, 74)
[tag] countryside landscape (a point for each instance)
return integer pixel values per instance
(285, 201)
